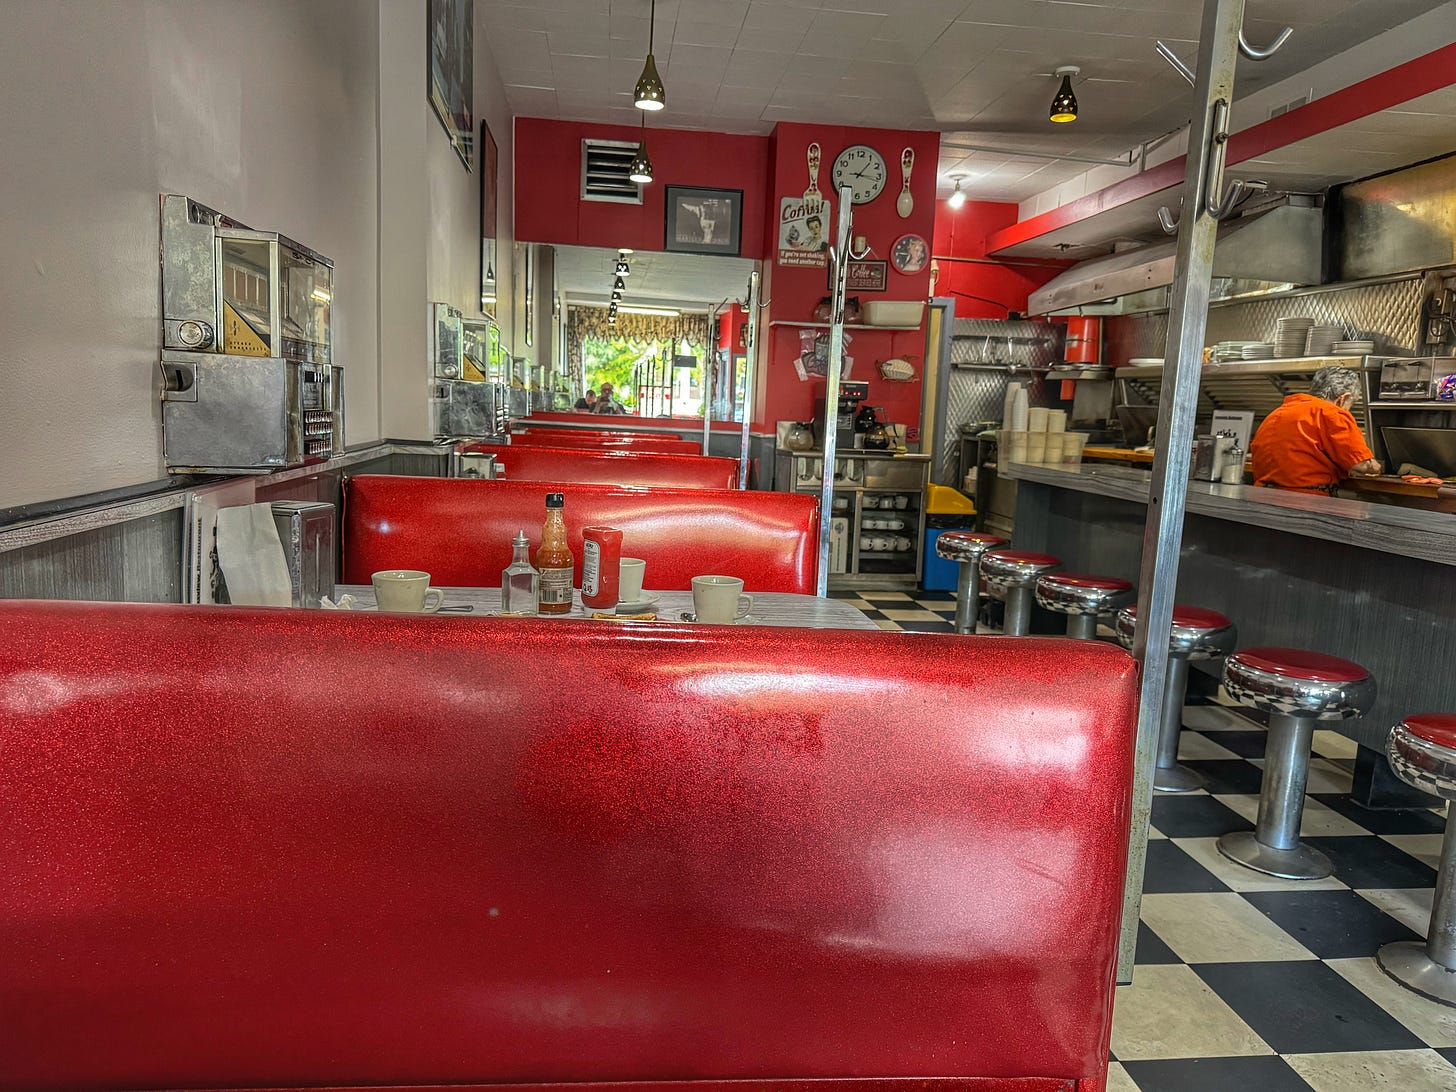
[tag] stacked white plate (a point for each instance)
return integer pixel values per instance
(1290, 336)
(1259, 350)
(1353, 348)
(1321, 341)
(1229, 350)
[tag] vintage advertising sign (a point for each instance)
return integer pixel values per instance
(803, 232)
(866, 277)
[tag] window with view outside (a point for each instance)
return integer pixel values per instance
(642, 376)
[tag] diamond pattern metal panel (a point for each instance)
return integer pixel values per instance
(1390, 313)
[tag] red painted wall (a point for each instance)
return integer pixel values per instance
(795, 290)
(731, 329)
(548, 205)
(982, 288)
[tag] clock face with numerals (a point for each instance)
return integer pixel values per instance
(862, 169)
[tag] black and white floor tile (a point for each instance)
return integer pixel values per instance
(1246, 983)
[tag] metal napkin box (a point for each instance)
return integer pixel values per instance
(306, 529)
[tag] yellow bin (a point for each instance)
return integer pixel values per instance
(942, 500)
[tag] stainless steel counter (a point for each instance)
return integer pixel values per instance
(1405, 532)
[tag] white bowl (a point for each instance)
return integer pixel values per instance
(893, 312)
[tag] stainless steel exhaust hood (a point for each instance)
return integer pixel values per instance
(1279, 248)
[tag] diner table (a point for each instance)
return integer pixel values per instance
(769, 608)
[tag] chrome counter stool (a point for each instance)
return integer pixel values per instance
(1423, 753)
(1011, 575)
(966, 548)
(1083, 599)
(1297, 689)
(1197, 634)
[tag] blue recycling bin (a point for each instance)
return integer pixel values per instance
(936, 573)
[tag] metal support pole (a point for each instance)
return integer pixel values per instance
(748, 374)
(1441, 936)
(1218, 47)
(968, 595)
(840, 260)
(1286, 771)
(1082, 627)
(1017, 619)
(710, 369)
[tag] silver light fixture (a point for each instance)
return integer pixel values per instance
(619, 285)
(1064, 106)
(650, 94)
(623, 269)
(641, 169)
(958, 196)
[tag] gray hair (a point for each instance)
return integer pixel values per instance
(1329, 383)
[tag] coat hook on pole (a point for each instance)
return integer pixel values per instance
(1254, 53)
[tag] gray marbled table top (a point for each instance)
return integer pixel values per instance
(769, 608)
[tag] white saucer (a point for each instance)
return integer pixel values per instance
(642, 606)
(746, 620)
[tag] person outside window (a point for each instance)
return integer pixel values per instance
(1312, 442)
(587, 403)
(607, 403)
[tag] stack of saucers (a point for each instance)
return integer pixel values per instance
(1290, 336)
(1321, 339)
(1258, 350)
(1353, 348)
(1225, 351)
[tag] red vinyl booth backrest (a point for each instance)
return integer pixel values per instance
(521, 462)
(606, 441)
(459, 530)
(251, 848)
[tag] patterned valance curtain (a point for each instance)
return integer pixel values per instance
(591, 322)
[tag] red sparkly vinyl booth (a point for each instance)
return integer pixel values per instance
(604, 441)
(459, 530)
(250, 848)
(523, 462)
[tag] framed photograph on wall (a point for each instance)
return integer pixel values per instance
(704, 221)
(489, 203)
(451, 72)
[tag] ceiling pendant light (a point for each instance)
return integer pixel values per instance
(641, 169)
(623, 269)
(650, 94)
(619, 285)
(958, 196)
(616, 293)
(1064, 106)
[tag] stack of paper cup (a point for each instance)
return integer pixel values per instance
(1057, 420)
(1036, 418)
(1055, 446)
(1012, 447)
(1072, 447)
(1036, 445)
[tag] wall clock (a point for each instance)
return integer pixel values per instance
(910, 254)
(862, 169)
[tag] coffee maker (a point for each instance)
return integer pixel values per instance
(851, 394)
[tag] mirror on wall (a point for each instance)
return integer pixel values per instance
(489, 212)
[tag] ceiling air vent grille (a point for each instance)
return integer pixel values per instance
(604, 172)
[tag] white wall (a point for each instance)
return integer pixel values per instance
(307, 117)
(429, 213)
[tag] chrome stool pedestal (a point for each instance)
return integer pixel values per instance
(1423, 754)
(1197, 634)
(1011, 576)
(1297, 689)
(1083, 599)
(966, 548)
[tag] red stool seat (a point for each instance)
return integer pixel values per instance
(965, 545)
(1186, 617)
(1081, 594)
(1437, 728)
(1296, 663)
(1091, 583)
(1026, 557)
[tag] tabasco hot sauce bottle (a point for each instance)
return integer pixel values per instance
(554, 560)
(601, 567)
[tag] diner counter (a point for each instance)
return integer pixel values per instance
(1391, 529)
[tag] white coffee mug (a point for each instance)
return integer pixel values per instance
(629, 584)
(720, 599)
(902, 502)
(406, 591)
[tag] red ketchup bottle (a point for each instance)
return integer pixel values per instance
(601, 567)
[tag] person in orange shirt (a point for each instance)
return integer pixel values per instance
(1312, 442)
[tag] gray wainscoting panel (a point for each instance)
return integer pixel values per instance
(139, 561)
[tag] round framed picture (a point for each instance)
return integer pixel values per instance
(910, 254)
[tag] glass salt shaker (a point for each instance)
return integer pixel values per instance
(520, 583)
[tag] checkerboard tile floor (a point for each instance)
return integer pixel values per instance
(1246, 983)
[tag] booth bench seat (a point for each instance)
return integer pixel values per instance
(605, 441)
(523, 462)
(459, 530)
(249, 848)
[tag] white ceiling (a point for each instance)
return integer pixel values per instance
(585, 274)
(977, 70)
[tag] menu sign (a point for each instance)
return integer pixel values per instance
(802, 232)
(865, 277)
